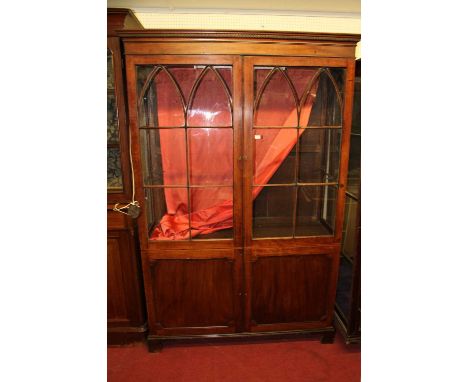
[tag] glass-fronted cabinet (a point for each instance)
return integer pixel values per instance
(240, 168)
(348, 298)
(126, 320)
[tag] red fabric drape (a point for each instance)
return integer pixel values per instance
(211, 160)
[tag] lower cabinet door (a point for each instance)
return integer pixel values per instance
(290, 292)
(195, 292)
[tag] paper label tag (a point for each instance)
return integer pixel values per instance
(258, 136)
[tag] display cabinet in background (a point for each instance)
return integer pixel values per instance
(348, 298)
(126, 318)
(240, 145)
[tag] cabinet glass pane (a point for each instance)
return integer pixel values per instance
(313, 216)
(330, 195)
(212, 213)
(211, 161)
(275, 99)
(180, 95)
(328, 105)
(114, 172)
(274, 156)
(186, 147)
(167, 213)
(298, 96)
(273, 212)
(163, 157)
(296, 143)
(210, 104)
(162, 103)
(319, 155)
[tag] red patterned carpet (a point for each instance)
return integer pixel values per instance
(288, 361)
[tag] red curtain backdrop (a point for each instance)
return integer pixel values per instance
(211, 150)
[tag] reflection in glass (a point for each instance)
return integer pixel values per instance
(173, 96)
(330, 194)
(210, 153)
(210, 104)
(273, 211)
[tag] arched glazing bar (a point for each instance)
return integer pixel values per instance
(146, 86)
(266, 82)
(196, 85)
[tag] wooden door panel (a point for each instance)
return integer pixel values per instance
(116, 304)
(290, 291)
(195, 295)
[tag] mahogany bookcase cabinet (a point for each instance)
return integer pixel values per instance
(126, 320)
(240, 146)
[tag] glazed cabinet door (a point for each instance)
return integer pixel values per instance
(296, 139)
(185, 114)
